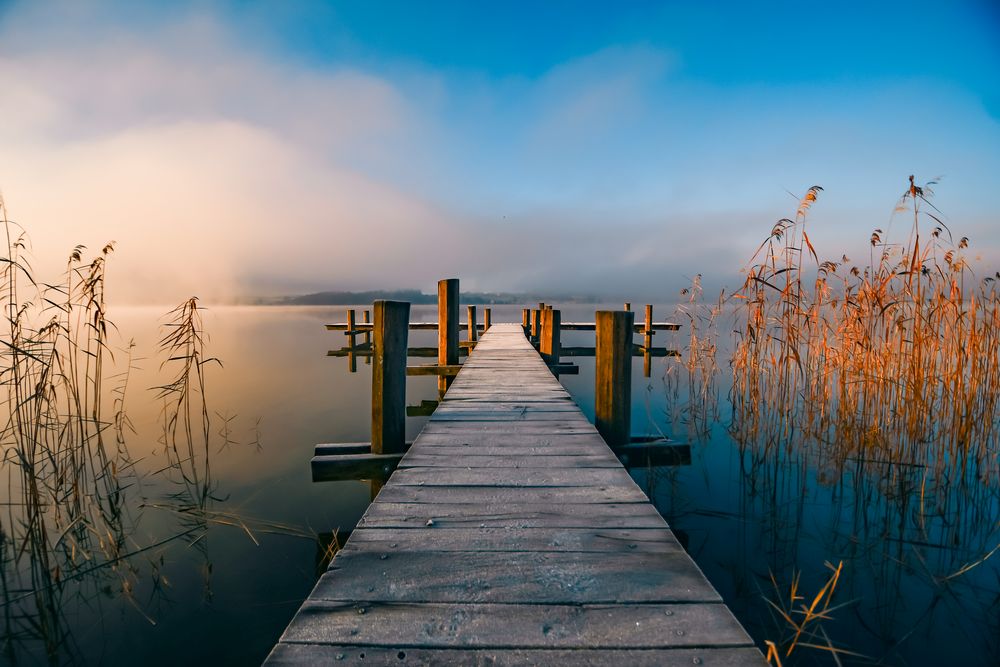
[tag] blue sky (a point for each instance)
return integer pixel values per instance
(576, 146)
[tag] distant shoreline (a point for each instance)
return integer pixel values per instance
(412, 296)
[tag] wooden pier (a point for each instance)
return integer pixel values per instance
(511, 534)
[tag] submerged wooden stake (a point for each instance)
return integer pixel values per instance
(613, 376)
(389, 377)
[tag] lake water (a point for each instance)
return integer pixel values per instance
(918, 585)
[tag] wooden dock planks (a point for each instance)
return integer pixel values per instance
(510, 535)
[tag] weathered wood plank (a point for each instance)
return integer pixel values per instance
(603, 540)
(472, 461)
(486, 495)
(541, 577)
(323, 654)
(514, 477)
(530, 626)
(384, 514)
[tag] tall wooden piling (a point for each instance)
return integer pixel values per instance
(536, 324)
(549, 344)
(647, 343)
(447, 327)
(526, 320)
(487, 319)
(366, 317)
(628, 307)
(613, 376)
(473, 326)
(391, 330)
(352, 340)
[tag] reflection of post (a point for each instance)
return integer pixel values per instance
(549, 345)
(473, 327)
(526, 320)
(352, 340)
(647, 343)
(487, 318)
(613, 376)
(392, 324)
(447, 328)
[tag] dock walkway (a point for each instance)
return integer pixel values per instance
(511, 534)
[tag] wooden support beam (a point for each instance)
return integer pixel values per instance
(654, 454)
(435, 369)
(353, 466)
(366, 351)
(366, 317)
(347, 448)
(473, 328)
(549, 344)
(389, 377)
(425, 409)
(565, 369)
(637, 351)
(639, 328)
(613, 376)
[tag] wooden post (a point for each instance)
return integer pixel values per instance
(647, 343)
(352, 360)
(526, 320)
(473, 327)
(628, 307)
(447, 327)
(536, 324)
(392, 327)
(487, 318)
(366, 317)
(549, 346)
(613, 376)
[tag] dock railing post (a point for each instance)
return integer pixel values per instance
(487, 319)
(391, 330)
(473, 326)
(549, 344)
(447, 328)
(526, 321)
(613, 376)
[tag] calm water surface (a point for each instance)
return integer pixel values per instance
(752, 521)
